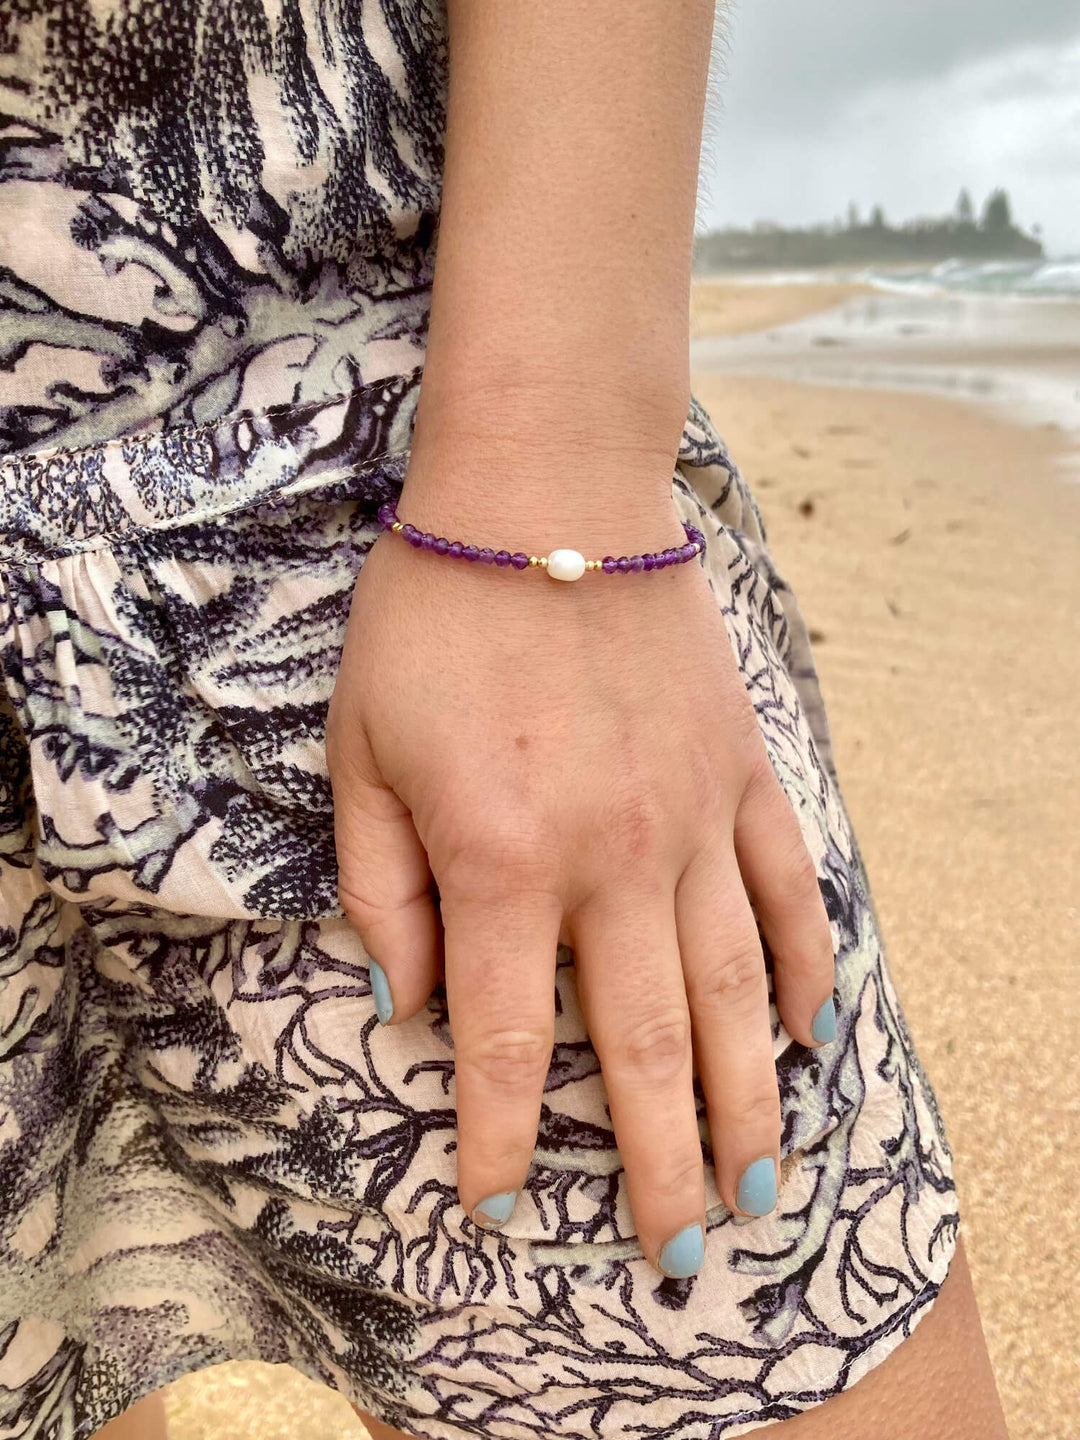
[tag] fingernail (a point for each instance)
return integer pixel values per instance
(684, 1253)
(757, 1188)
(495, 1210)
(824, 1026)
(380, 991)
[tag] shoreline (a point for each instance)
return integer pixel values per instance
(1015, 357)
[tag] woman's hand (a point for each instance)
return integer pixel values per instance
(576, 762)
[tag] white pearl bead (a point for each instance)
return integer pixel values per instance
(566, 565)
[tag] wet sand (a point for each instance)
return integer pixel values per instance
(726, 307)
(936, 557)
(1020, 358)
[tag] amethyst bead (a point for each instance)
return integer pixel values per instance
(427, 540)
(609, 565)
(441, 545)
(386, 513)
(502, 558)
(648, 562)
(487, 555)
(454, 550)
(519, 561)
(636, 563)
(688, 552)
(470, 552)
(623, 563)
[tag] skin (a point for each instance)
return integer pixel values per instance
(535, 746)
(542, 750)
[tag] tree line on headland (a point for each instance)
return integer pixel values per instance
(993, 236)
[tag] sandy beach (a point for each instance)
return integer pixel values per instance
(934, 549)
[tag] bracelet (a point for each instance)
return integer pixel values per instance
(561, 564)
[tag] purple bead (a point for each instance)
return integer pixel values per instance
(519, 561)
(609, 565)
(623, 563)
(470, 552)
(408, 531)
(427, 540)
(688, 552)
(441, 545)
(456, 547)
(636, 563)
(502, 558)
(487, 555)
(648, 561)
(386, 513)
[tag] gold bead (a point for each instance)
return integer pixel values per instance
(593, 564)
(543, 559)
(396, 526)
(534, 560)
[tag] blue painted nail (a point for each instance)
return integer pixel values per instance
(684, 1253)
(380, 990)
(757, 1188)
(824, 1026)
(495, 1210)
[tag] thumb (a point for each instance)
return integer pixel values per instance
(384, 880)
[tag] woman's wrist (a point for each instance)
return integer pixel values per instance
(561, 563)
(536, 495)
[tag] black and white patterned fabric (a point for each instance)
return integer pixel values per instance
(217, 235)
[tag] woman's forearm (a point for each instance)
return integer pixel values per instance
(561, 294)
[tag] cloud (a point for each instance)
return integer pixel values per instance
(910, 141)
(798, 59)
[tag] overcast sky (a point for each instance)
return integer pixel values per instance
(900, 102)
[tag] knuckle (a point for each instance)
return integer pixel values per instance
(757, 1112)
(734, 980)
(673, 1180)
(655, 1049)
(639, 828)
(743, 737)
(511, 1060)
(799, 874)
(491, 858)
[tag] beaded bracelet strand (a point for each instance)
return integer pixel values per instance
(561, 564)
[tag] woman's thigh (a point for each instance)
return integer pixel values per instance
(936, 1382)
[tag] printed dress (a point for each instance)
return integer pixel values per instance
(217, 238)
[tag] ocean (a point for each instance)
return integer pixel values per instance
(1025, 279)
(1005, 335)
(1055, 279)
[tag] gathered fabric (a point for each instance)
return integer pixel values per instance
(218, 224)
(212, 1150)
